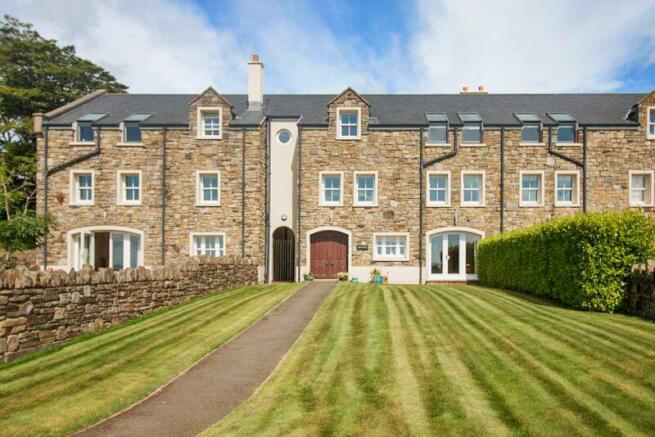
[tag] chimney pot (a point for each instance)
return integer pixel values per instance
(38, 123)
(465, 89)
(255, 58)
(481, 88)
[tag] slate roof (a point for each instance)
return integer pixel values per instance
(386, 109)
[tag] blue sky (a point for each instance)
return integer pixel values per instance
(375, 46)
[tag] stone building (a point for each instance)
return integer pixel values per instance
(406, 184)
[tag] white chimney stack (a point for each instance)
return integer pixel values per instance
(255, 84)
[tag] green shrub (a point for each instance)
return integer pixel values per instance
(583, 261)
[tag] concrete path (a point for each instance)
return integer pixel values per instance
(223, 379)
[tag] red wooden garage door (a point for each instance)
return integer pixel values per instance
(329, 254)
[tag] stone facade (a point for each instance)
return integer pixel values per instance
(393, 152)
(38, 309)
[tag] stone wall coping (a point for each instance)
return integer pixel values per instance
(23, 278)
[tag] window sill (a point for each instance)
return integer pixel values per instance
(472, 145)
(330, 205)
(439, 145)
(130, 144)
(208, 204)
(567, 205)
(349, 138)
(82, 143)
(532, 144)
(81, 204)
(128, 203)
(641, 205)
(438, 205)
(531, 205)
(472, 205)
(365, 205)
(568, 145)
(210, 138)
(391, 259)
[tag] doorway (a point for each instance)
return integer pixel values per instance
(283, 255)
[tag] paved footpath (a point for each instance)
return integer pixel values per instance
(223, 379)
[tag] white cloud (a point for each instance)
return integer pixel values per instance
(152, 46)
(530, 46)
(507, 45)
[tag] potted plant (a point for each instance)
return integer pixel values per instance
(376, 276)
(342, 276)
(308, 276)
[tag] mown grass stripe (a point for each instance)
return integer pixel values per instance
(614, 336)
(461, 396)
(579, 347)
(592, 412)
(606, 388)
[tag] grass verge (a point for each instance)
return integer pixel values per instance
(61, 390)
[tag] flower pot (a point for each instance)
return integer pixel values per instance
(378, 279)
(308, 277)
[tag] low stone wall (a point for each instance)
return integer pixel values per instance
(40, 308)
(640, 297)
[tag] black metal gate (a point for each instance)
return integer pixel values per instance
(283, 255)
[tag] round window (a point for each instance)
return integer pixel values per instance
(283, 136)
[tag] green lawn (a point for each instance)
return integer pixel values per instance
(462, 360)
(59, 391)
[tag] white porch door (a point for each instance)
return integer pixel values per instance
(452, 256)
(124, 250)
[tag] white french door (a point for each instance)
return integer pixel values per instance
(124, 250)
(452, 256)
(83, 250)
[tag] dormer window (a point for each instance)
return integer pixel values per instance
(437, 128)
(84, 130)
(348, 123)
(132, 128)
(472, 127)
(132, 132)
(566, 127)
(531, 127)
(209, 123)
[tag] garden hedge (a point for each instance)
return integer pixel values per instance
(583, 261)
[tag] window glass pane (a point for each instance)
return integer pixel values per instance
(132, 187)
(438, 186)
(566, 133)
(638, 181)
(471, 253)
(332, 188)
(348, 123)
(132, 133)
(365, 188)
(209, 188)
(437, 133)
(453, 253)
(135, 245)
(117, 251)
(472, 188)
(471, 133)
(85, 190)
(85, 132)
(436, 254)
(211, 124)
(652, 115)
(530, 133)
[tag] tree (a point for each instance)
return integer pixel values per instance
(36, 75)
(24, 231)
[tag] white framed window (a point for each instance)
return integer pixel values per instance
(391, 247)
(532, 188)
(567, 188)
(331, 188)
(641, 188)
(129, 187)
(650, 121)
(82, 187)
(349, 123)
(209, 122)
(207, 244)
(365, 188)
(472, 184)
(438, 193)
(208, 188)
